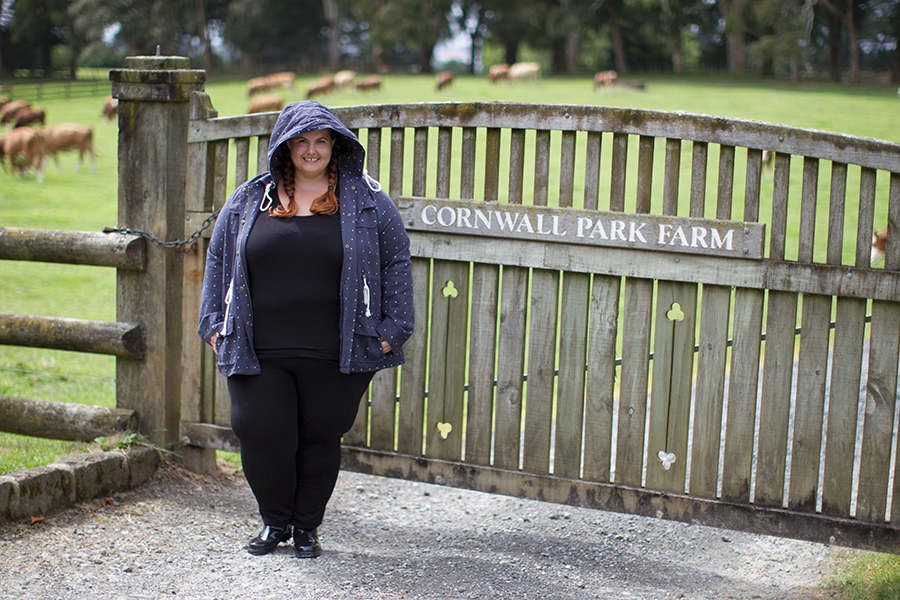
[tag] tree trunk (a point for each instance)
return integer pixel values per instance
(559, 56)
(573, 42)
(677, 52)
(853, 30)
(834, 49)
(63, 420)
(734, 34)
(512, 52)
(425, 58)
(334, 33)
(618, 42)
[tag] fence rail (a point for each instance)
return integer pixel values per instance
(39, 90)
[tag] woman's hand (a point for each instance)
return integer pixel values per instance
(385, 347)
(212, 342)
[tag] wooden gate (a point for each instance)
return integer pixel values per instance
(668, 315)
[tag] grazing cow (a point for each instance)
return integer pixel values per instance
(268, 103)
(281, 80)
(325, 85)
(444, 79)
(879, 244)
(258, 85)
(67, 137)
(527, 70)
(10, 109)
(29, 116)
(2, 151)
(768, 158)
(496, 72)
(110, 108)
(344, 79)
(604, 80)
(370, 83)
(25, 149)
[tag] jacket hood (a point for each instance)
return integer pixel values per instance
(309, 115)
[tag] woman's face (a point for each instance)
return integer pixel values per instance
(311, 152)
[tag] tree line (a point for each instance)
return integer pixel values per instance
(842, 38)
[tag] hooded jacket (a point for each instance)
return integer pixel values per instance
(376, 280)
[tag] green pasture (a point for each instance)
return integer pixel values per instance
(87, 200)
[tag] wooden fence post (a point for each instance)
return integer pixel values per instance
(154, 102)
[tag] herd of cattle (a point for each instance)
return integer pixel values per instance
(30, 142)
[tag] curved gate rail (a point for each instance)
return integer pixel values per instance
(668, 378)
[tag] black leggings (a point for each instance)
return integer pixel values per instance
(290, 419)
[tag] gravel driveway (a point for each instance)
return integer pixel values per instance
(183, 536)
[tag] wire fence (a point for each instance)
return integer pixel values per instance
(37, 90)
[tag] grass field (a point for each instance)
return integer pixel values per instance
(87, 201)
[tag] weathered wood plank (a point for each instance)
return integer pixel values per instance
(511, 366)
(541, 363)
(382, 409)
(241, 160)
(593, 149)
(482, 359)
(420, 161)
(492, 165)
(373, 152)
(725, 185)
(775, 405)
(600, 379)
(670, 396)
(699, 159)
(446, 378)
(710, 390)
(516, 165)
(617, 172)
(411, 416)
(444, 158)
(398, 147)
(574, 309)
(541, 167)
(262, 154)
(637, 315)
(567, 169)
(63, 420)
(467, 170)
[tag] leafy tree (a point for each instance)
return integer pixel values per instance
(33, 33)
(279, 31)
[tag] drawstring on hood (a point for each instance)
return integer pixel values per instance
(263, 207)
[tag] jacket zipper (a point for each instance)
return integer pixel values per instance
(366, 296)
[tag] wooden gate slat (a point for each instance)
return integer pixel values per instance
(567, 169)
(881, 383)
(398, 154)
(444, 158)
(670, 392)
(482, 358)
(743, 383)
(892, 263)
(699, 155)
(600, 378)
(492, 165)
(411, 413)
(510, 367)
(618, 172)
(420, 161)
(779, 358)
(262, 154)
(241, 160)
(710, 390)
(447, 359)
(809, 410)
(467, 170)
(373, 152)
(516, 165)
(725, 187)
(541, 363)
(572, 359)
(592, 170)
(541, 167)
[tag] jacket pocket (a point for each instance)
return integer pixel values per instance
(227, 322)
(367, 341)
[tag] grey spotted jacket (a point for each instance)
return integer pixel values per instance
(376, 291)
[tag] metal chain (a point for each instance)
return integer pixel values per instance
(178, 244)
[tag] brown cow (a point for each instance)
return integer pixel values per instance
(69, 137)
(526, 70)
(325, 85)
(879, 245)
(444, 79)
(259, 85)
(29, 116)
(344, 79)
(110, 108)
(270, 103)
(604, 80)
(372, 82)
(496, 72)
(25, 149)
(10, 109)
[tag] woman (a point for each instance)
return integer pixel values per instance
(307, 292)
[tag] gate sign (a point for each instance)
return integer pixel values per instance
(735, 239)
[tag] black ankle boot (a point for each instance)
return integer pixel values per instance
(268, 539)
(306, 543)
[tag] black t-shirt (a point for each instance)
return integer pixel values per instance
(295, 277)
